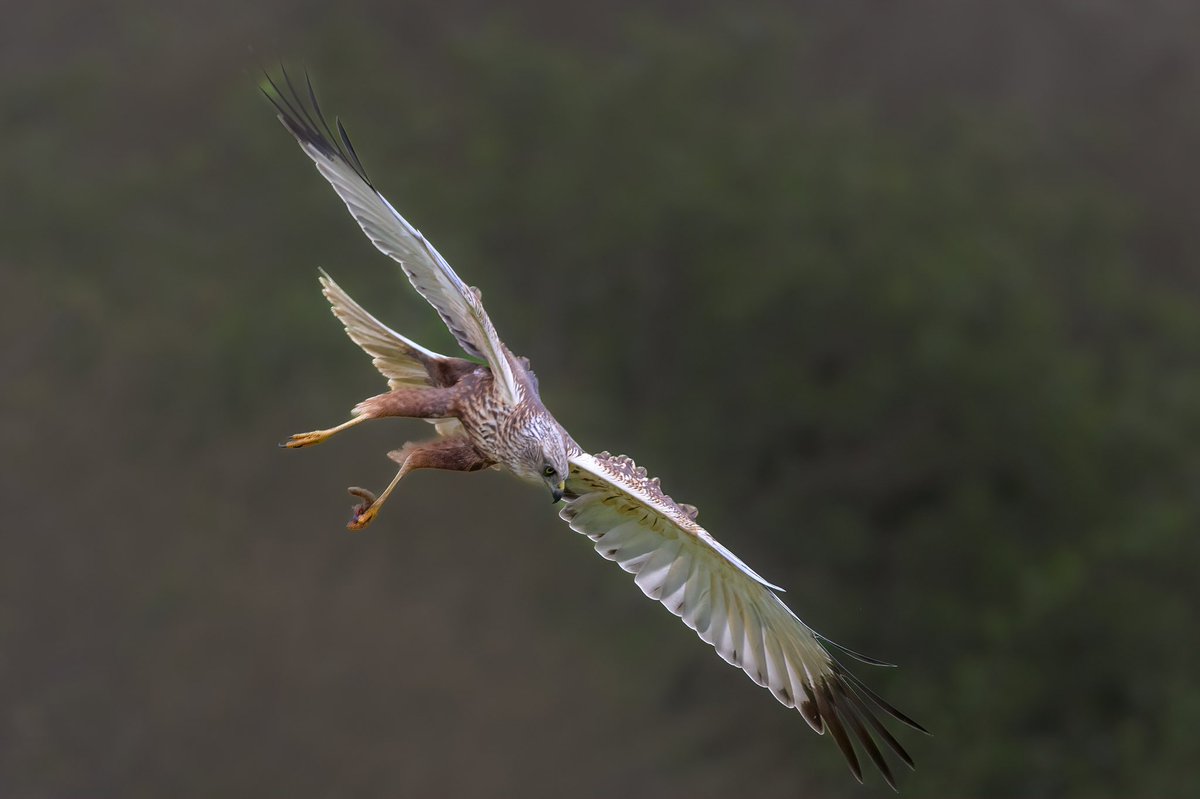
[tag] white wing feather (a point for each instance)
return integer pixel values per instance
(676, 562)
(456, 303)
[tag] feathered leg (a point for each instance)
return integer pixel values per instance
(417, 403)
(455, 454)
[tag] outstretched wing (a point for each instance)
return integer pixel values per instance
(401, 360)
(677, 562)
(404, 362)
(458, 305)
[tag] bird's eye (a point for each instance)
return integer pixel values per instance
(548, 471)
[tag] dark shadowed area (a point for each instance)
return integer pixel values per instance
(904, 296)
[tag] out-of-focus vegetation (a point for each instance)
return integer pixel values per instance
(905, 300)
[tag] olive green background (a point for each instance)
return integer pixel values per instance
(903, 295)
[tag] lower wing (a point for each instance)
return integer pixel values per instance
(404, 362)
(677, 562)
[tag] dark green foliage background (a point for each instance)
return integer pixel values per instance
(904, 298)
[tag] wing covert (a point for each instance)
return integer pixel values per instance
(675, 561)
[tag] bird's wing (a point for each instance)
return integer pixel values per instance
(399, 359)
(404, 362)
(677, 562)
(458, 304)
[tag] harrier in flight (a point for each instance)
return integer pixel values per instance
(488, 413)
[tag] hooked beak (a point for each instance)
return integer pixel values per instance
(557, 491)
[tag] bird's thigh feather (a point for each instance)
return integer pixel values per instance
(455, 454)
(414, 403)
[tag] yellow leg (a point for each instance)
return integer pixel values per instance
(366, 512)
(317, 436)
(452, 454)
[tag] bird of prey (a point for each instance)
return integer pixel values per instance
(488, 413)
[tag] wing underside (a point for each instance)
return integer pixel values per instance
(405, 363)
(676, 562)
(402, 361)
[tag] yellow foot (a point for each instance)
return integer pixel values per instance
(306, 439)
(365, 512)
(317, 436)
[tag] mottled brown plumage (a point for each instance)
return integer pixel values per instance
(520, 436)
(490, 414)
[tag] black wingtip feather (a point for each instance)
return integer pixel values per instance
(851, 713)
(312, 96)
(287, 80)
(810, 711)
(282, 102)
(349, 147)
(828, 711)
(878, 700)
(840, 703)
(308, 123)
(865, 712)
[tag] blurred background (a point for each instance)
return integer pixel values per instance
(903, 295)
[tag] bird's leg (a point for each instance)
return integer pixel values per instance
(419, 403)
(317, 436)
(455, 454)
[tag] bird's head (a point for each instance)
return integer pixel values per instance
(545, 458)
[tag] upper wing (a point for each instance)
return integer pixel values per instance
(458, 305)
(678, 563)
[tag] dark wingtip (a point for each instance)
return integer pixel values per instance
(808, 709)
(852, 715)
(348, 149)
(825, 706)
(304, 119)
(865, 712)
(839, 702)
(878, 700)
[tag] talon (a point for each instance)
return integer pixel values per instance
(305, 439)
(363, 515)
(317, 436)
(364, 512)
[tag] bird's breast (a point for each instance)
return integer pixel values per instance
(483, 415)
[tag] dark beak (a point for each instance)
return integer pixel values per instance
(557, 491)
